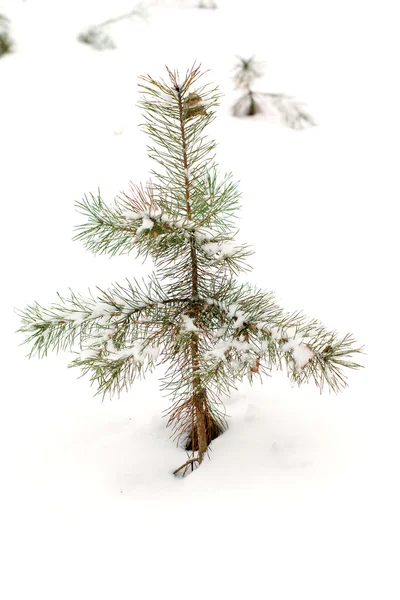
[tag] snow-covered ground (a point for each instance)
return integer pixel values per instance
(300, 498)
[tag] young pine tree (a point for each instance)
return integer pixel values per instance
(191, 316)
(97, 36)
(6, 43)
(207, 4)
(250, 102)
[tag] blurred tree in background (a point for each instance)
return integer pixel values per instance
(6, 43)
(207, 4)
(251, 102)
(97, 36)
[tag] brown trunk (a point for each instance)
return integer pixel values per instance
(199, 399)
(203, 429)
(252, 106)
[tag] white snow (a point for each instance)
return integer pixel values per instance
(101, 309)
(89, 353)
(124, 306)
(299, 499)
(211, 248)
(131, 214)
(167, 99)
(74, 316)
(232, 310)
(147, 223)
(110, 346)
(153, 352)
(302, 354)
(220, 332)
(220, 250)
(275, 333)
(204, 233)
(224, 345)
(188, 323)
(239, 315)
(137, 351)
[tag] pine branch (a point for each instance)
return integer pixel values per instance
(112, 313)
(107, 229)
(115, 370)
(164, 116)
(258, 335)
(135, 12)
(143, 221)
(292, 112)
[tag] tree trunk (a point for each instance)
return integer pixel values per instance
(252, 105)
(205, 429)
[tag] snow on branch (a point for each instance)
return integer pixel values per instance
(257, 332)
(115, 370)
(94, 322)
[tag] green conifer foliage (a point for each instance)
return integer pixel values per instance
(97, 38)
(6, 43)
(192, 316)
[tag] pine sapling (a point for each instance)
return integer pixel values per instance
(207, 4)
(97, 37)
(250, 102)
(191, 316)
(6, 43)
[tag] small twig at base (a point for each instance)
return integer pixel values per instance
(185, 465)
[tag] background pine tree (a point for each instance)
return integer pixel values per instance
(251, 102)
(6, 43)
(98, 36)
(207, 4)
(192, 316)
